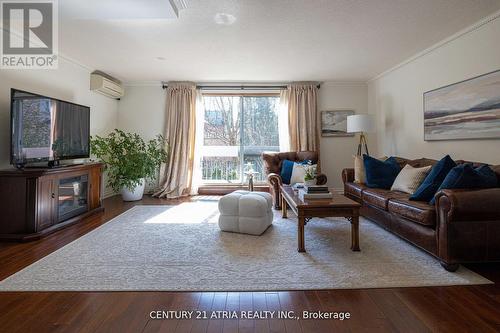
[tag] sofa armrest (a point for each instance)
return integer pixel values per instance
(468, 226)
(348, 175)
(274, 179)
(469, 205)
(321, 179)
(275, 182)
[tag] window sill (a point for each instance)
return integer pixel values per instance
(222, 189)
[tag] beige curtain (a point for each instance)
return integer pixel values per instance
(176, 176)
(302, 116)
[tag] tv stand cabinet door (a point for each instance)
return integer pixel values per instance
(47, 202)
(95, 187)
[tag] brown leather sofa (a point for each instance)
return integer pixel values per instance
(272, 166)
(463, 226)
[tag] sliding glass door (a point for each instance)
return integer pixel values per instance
(236, 130)
(260, 130)
(220, 161)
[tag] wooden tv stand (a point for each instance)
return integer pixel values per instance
(35, 202)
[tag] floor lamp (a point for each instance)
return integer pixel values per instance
(361, 123)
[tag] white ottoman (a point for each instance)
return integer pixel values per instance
(245, 212)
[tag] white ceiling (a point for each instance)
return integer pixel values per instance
(270, 40)
(117, 9)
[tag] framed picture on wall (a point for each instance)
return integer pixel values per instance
(334, 123)
(468, 109)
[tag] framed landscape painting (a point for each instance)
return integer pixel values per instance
(334, 123)
(465, 110)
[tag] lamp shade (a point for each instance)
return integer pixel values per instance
(360, 123)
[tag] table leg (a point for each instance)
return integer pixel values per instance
(355, 233)
(283, 208)
(300, 234)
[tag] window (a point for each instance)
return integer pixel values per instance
(236, 130)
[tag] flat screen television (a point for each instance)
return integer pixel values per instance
(45, 129)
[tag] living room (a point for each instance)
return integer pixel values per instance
(250, 166)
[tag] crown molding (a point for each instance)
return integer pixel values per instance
(75, 62)
(463, 32)
(344, 83)
(239, 83)
(143, 84)
(60, 55)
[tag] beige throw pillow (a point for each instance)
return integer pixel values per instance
(359, 169)
(410, 178)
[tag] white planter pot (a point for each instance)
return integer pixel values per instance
(135, 194)
(311, 182)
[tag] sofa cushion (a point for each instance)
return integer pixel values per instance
(380, 174)
(379, 197)
(416, 211)
(354, 189)
(359, 168)
(431, 183)
(286, 171)
(466, 177)
(421, 162)
(293, 172)
(273, 161)
(496, 169)
(410, 178)
(299, 171)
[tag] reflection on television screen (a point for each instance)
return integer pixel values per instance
(45, 129)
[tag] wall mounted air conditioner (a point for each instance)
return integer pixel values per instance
(103, 84)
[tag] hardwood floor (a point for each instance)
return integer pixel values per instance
(444, 309)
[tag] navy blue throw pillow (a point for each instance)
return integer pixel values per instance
(380, 174)
(287, 168)
(431, 183)
(465, 176)
(286, 171)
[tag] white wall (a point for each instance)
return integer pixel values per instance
(396, 97)
(337, 152)
(69, 82)
(142, 110)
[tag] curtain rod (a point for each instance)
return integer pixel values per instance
(249, 87)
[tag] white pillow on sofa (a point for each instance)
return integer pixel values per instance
(410, 178)
(298, 173)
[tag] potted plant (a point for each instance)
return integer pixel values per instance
(129, 161)
(310, 174)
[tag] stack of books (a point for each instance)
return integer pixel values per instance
(314, 192)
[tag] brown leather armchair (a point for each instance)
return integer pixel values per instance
(272, 166)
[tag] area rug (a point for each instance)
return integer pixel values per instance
(180, 248)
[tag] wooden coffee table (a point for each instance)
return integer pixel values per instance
(338, 206)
